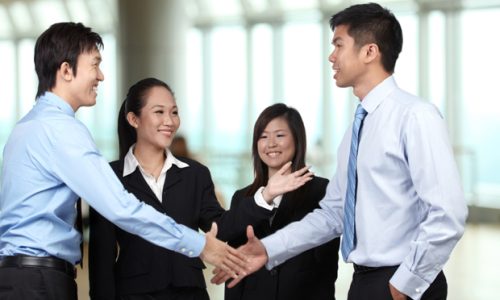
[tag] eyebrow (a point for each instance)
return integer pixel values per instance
(97, 58)
(336, 40)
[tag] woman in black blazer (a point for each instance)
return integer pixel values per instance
(279, 136)
(124, 266)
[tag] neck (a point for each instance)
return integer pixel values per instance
(150, 158)
(63, 94)
(369, 83)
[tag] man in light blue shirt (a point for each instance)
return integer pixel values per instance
(410, 209)
(50, 160)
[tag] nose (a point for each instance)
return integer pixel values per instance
(167, 120)
(100, 75)
(332, 57)
(271, 142)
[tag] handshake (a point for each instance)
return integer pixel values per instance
(248, 258)
(230, 262)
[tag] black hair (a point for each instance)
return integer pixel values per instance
(61, 42)
(371, 23)
(296, 125)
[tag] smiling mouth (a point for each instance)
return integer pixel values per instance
(273, 154)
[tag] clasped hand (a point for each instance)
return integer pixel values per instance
(255, 254)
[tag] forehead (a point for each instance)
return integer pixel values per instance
(341, 33)
(159, 95)
(93, 55)
(278, 123)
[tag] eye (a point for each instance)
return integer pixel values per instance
(263, 136)
(159, 112)
(175, 112)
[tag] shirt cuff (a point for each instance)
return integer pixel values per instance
(191, 243)
(259, 200)
(408, 283)
(272, 244)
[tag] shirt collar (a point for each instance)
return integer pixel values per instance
(131, 163)
(54, 100)
(378, 94)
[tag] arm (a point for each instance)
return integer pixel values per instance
(102, 257)
(436, 181)
(89, 175)
(249, 211)
(316, 228)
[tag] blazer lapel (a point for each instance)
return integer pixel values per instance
(138, 184)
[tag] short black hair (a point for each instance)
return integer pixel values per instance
(61, 42)
(372, 23)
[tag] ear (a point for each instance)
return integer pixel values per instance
(65, 72)
(132, 119)
(371, 52)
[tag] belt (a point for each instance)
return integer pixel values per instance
(25, 261)
(359, 268)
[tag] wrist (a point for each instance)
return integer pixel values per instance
(267, 197)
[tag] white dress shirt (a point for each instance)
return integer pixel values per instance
(131, 164)
(410, 208)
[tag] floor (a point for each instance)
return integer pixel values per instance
(473, 271)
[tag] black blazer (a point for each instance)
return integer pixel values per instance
(310, 275)
(189, 198)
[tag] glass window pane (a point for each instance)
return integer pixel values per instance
(262, 77)
(190, 109)
(437, 60)
(28, 81)
(229, 89)
(302, 74)
(407, 64)
(481, 105)
(7, 77)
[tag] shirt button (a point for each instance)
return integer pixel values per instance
(276, 263)
(417, 290)
(190, 253)
(183, 250)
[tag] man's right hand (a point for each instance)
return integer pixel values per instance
(256, 255)
(223, 256)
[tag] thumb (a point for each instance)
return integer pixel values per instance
(250, 233)
(213, 230)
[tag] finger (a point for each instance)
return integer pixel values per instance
(286, 167)
(216, 270)
(250, 232)
(213, 229)
(220, 277)
(301, 171)
(235, 264)
(235, 281)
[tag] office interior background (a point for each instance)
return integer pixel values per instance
(229, 59)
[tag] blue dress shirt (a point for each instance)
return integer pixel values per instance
(50, 160)
(410, 208)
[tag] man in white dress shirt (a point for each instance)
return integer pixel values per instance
(410, 209)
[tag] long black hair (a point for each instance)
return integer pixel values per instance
(134, 102)
(296, 125)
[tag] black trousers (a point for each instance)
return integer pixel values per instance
(34, 283)
(172, 293)
(374, 285)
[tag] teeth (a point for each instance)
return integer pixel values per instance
(273, 154)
